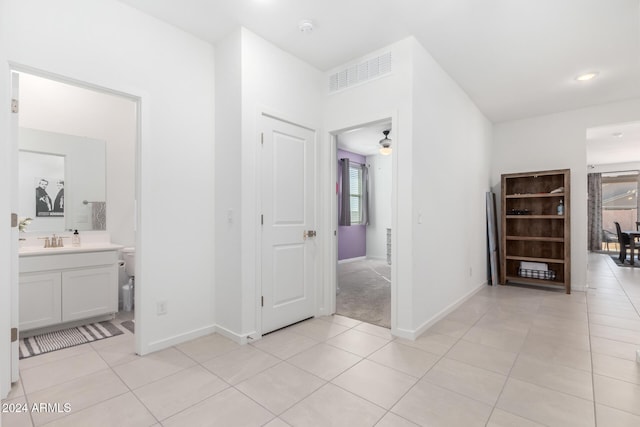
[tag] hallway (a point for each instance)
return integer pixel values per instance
(508, 356)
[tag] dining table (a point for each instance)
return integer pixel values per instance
(633, 235)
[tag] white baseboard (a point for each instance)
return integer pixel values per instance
(414, 334)
(239, 339)
(344, 261)
(179, 339)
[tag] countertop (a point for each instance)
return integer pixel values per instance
(96, 247)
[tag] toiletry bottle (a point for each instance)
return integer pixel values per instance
(75, 239)
(561, 208)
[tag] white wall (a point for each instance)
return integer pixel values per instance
(111, 45)
(228, 82)
(380, 180)
(441, 157)
(376, 100)
(451, 166)
(270, 80)
(558, 141)
(61, 108)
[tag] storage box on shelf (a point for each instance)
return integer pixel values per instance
(536, 227)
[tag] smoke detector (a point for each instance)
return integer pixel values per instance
(305, 26)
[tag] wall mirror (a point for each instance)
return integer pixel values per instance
(62, 181)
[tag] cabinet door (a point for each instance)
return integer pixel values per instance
(40, 296)
(89, 292)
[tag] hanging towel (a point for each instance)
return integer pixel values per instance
(99, 215)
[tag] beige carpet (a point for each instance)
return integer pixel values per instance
(364, 291)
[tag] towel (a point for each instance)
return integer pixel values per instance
(541, 266)
(99, 215)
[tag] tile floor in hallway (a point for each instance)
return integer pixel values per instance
(507, 357)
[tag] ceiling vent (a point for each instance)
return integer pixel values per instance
(360, 73)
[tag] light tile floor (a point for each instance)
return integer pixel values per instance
(510, 356)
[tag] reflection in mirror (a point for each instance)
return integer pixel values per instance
(68, 174)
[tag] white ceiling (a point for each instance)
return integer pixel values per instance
(514, 58)
(364, 140)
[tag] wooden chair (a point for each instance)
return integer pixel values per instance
(625, 242)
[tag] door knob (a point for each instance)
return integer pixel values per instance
(308, 233)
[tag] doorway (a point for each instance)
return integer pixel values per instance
(95, 133)
(364, 193)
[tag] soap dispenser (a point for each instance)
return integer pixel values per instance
(75, 239)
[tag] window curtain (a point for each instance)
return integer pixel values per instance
(364, 208)
(594, 210)
(344, 199)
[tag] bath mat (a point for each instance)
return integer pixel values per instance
(130, 325)
(52, 341)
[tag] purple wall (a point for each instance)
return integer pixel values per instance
(352, 240)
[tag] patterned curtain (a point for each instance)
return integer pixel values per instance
(364, 209)
(344, 200)
(594, 210)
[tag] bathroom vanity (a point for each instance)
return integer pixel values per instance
(66, 285)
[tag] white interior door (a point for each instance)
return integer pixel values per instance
(15, 315)
(289, 251)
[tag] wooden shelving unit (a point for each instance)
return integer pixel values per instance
(532, 230)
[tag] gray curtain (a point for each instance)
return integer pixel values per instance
(594, 211)
(364, 209)
(344, 199)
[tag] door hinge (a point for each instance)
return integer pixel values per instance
(14, 334)
(262, 301)
(261, 219)
(14, 105)
(262, 139)
(14, 220)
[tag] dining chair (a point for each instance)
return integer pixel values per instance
(625, 242)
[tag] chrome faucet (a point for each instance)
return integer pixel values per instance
(54, 241)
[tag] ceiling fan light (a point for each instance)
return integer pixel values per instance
(385, 144)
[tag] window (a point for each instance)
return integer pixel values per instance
(620, 200)
(355, 193)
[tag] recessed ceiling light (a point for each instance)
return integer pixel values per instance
(617, 134)
(587, 76)
(305, 26)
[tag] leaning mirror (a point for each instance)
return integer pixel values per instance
(62, 181)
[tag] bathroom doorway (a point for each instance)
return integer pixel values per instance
(364, 166)
(76, 115)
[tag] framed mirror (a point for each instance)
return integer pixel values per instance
(67, 173)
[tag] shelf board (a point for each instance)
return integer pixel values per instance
(536, 239)
(527, 280)
(534, 195)
(534, 259)
(534, 216)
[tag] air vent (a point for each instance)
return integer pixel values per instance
(360, 73)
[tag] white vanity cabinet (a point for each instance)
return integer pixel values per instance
(63, 287)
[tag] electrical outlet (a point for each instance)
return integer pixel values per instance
(161, 308)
